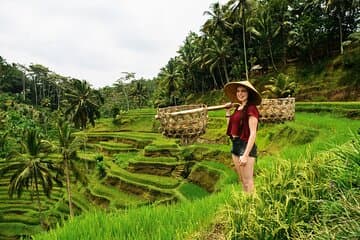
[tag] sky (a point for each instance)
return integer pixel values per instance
(98, 40)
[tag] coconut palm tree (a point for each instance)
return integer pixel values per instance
(339, 8)
(217, 22)
(217, 53)
(121, 85)
(68, 145)
(84, 103)
(203, 42)
(138, 92)
(239, 9)
(187, 59)
(31, 169)
(266, 30)
(170, 77)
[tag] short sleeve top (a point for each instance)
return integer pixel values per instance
(239, 122)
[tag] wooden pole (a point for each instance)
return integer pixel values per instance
(210, 108)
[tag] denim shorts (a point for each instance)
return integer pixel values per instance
(239, 146)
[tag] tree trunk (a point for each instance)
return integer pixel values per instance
(202, 84)
(213, 77)
(244, 45)
(68, 187)
(36, 97)
(225, 71)
(38, 195)
(58, 97)
(283, 35)
(271, 55)
(24, 88)
(341, 35)
(221, 78)
(311, 58)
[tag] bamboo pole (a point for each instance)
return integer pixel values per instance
(210, 108)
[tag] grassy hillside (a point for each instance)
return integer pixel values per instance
(130, 166)
(294, 198)
(330, 79)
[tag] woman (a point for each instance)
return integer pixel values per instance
(242, 127)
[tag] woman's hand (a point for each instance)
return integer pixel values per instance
(228, 105)
(243, 160)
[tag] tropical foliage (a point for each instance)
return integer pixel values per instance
(83, 102)
(32, 168)
(236, 37)
(269, 34)
(68, 145)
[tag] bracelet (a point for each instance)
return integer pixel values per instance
(227, 116)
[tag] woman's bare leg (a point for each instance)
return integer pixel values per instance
(236, 161)
(247, 175)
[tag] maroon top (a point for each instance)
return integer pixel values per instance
(239, 117)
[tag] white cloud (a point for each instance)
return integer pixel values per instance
(97, 40)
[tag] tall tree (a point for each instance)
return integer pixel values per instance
(68, 145)
(121, 85)
(217, 22)
(10, 77)
(307, 30)
(170, 78)
(138, 92)
(84, 103)
(217, 54)
(39, 75)
(240, 8)
(187, 59)
(266, 30)
(340, 8)
(31, 168)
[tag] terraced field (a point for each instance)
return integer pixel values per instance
(139, 167)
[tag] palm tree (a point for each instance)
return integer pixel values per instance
(238, 8)
(68, 145)
(305, 24)
(31, 168)
(39, 76)
(139, 92)
(217, 22)
(122, 84)
(339, 8)
(217, 54)
(23, 69)
(280, 87)
(84, 103)
(170, 76)
(201, 60)
(266, 30)
(187, 58)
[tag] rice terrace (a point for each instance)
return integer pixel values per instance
(147, 159)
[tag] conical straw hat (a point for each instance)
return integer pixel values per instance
(231, 88)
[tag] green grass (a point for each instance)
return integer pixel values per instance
(161, 222)
(117, 198)
(227, 175)
(8, 229)
(154, 160)
(346, 109)
(308, 135)
(192, 191)
(285, 164)
(146, 179)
